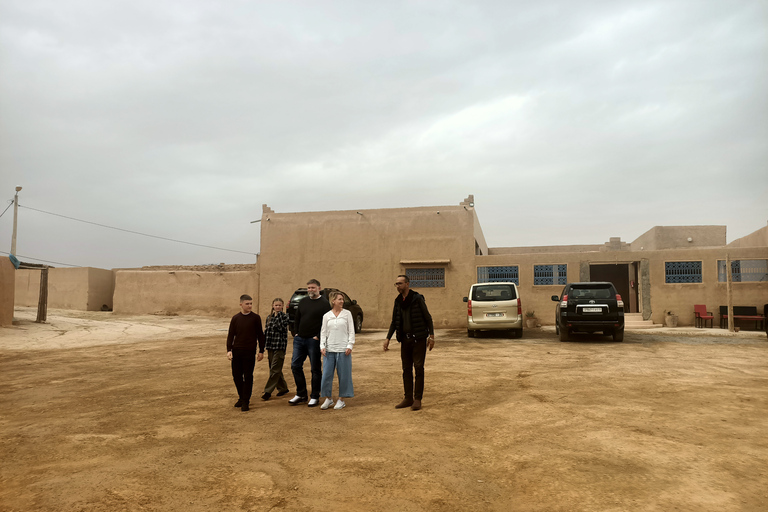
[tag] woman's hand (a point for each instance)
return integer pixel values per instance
(322, 351)
(348, 351)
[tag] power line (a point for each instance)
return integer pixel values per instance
(45, 261)
(6, 208)
(136, 232)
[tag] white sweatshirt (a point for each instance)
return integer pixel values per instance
(337, 332)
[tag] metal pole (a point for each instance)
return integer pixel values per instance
(729, 280)
(15, 217)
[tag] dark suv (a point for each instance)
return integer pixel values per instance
(351, 305)
(589, 307)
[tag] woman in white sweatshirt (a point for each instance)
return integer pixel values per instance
(337, 337)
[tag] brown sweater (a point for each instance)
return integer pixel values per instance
(245, 332)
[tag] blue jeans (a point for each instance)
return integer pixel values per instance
(303, 347)
(342, 363)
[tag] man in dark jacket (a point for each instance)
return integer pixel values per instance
(244, 337)
(306, 343)
(415, 332)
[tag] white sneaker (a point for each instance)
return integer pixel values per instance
(297, 400)
(313, 402)
(340, 404)
(328, 402)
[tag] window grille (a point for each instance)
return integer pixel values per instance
(682, 271)
(426, 277)
(550, 274)
(498, 275)
(743, 271)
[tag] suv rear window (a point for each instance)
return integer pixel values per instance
(493, 292)
(592, 291)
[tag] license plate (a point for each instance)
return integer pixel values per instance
(593, 310)
(494, 314)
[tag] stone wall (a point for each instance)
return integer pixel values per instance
(7, 291)
(82, 288)
(183, 292)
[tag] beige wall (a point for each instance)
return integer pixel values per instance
(676, 237)
(757, 239)
(362, 255)
(7, 291)
(678, 298)
(83, 288)
(183, 292)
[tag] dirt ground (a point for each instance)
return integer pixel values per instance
(100, 412)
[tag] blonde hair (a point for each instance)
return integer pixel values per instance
(334, 294)
(278, 299)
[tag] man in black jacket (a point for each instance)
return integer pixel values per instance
(244, 337)
(415, 332)
(306, 343)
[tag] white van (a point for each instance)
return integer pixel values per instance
(494, 307)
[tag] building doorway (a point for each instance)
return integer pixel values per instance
(624, 278)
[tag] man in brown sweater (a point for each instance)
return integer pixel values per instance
(245, 335)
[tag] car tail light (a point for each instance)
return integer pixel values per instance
(519, 307)
(619, 302)
(564, 303)
(469, 307)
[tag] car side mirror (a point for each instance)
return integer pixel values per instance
(466, 299)
(555, 298)
(354, 303)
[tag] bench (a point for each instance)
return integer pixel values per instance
(741, 313)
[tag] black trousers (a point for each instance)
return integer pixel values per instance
(243, 362)
(412, 353)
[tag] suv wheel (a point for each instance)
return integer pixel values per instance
(618, 335)
(358, 324)
(517, 333)
(470, 333)
(563, 334)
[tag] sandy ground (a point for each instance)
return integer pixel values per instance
(100, 412)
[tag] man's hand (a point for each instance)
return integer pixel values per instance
(431, 342)
(229, 355)
(386, 345)
(260, 356)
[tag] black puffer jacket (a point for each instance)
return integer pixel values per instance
(415, 306)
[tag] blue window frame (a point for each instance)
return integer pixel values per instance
(682, 272)
(550, 274)
(426, 277)
(743, 271)
(498, 275)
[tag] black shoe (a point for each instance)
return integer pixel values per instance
(297, 400)
(245, 407)
(239, 403)
(281, 393)
(266, 396)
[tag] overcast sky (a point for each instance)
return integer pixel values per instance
(570, 121)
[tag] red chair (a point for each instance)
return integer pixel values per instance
(702, 315)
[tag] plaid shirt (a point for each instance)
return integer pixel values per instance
(277, 331)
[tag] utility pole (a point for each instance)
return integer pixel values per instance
(15, 217)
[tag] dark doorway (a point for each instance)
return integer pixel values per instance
(619, 275)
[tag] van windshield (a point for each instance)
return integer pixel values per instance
(493, 292)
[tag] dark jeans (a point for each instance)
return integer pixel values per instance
(243, 362)
(412, 354)
(276, 379)
(303, 347)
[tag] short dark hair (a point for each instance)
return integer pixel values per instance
(407, 280)
(245, 297)
(314, 281)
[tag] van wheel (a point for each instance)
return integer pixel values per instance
(470, 333)
(358, 324)
(618, 335)
(517, 333)
(563, 334)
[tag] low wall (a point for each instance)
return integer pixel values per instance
(183, 292)
(83, 288)
(7, 291)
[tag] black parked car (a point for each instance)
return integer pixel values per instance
(589, 307)
(349, 304)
